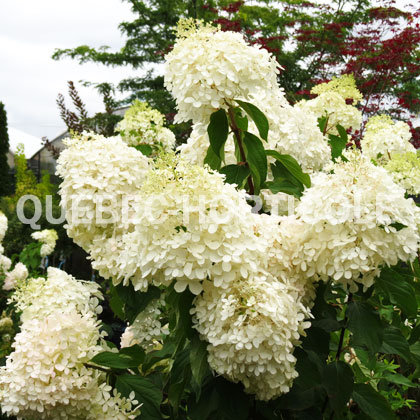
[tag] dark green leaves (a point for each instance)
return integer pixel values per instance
(198, 358)
(147, 393)
(236, 174)
(338, 382)
(218, 131)
(291, 165)
(399, 291)
(212, 159)
(372, 403)
(259, 118)
(395, 343)
(130, 357)
(365, 325)
(256, 158)
(135, 302)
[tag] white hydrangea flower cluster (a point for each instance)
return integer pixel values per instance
(405, 170)
(383, 137)
(333, 106)
(98, 174)
(344, 85)
(295, 132)
(46, 376)
(40, 297)
(18, 275)
(208, 68)
(146, 330)
(353, 221)
(252, 328)
(48, 238)
(54, 350)
(144, 125)
(209, 238)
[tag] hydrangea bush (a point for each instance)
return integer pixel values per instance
(234, 310)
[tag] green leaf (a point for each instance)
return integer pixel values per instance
(309, 373)
(147, 393)
(236, 174)
(259, 118)
(322, 123)
(218, 131)
(338, 382)
(291, 164)
(198, 358)
(372, 403)
(146, 149)
(284, 186)
(415, 349)
(343, 133)
(256, 158)
(155, 356)
(180, 323)
(180, 376)
(212, 159)
(398, 379)
(365, 325)
(400, 292)
(116, 303)
(241, 120)
(136, 302)
(115, 360)
(395, 343)
(337, 146)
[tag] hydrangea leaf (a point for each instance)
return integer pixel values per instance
(218, 131)
(338, 382)
(400, 292)
(258, 117)
(256, 158)
(236, 174)
(372, 403)
(291, 164)
(365, 325)
(147, 393)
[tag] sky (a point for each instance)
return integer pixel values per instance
(30, 79)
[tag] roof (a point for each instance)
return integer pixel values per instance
(31, 143)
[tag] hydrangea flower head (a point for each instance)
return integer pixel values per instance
(252, 329)
(383, 136)
(344, 85)
(18, 275)
(48, 238)
(144, 125)
(208, 68)
(190, 226)
(40, 297)
(332, 105)
(405, 170)
(351, 220)
(146, 330)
